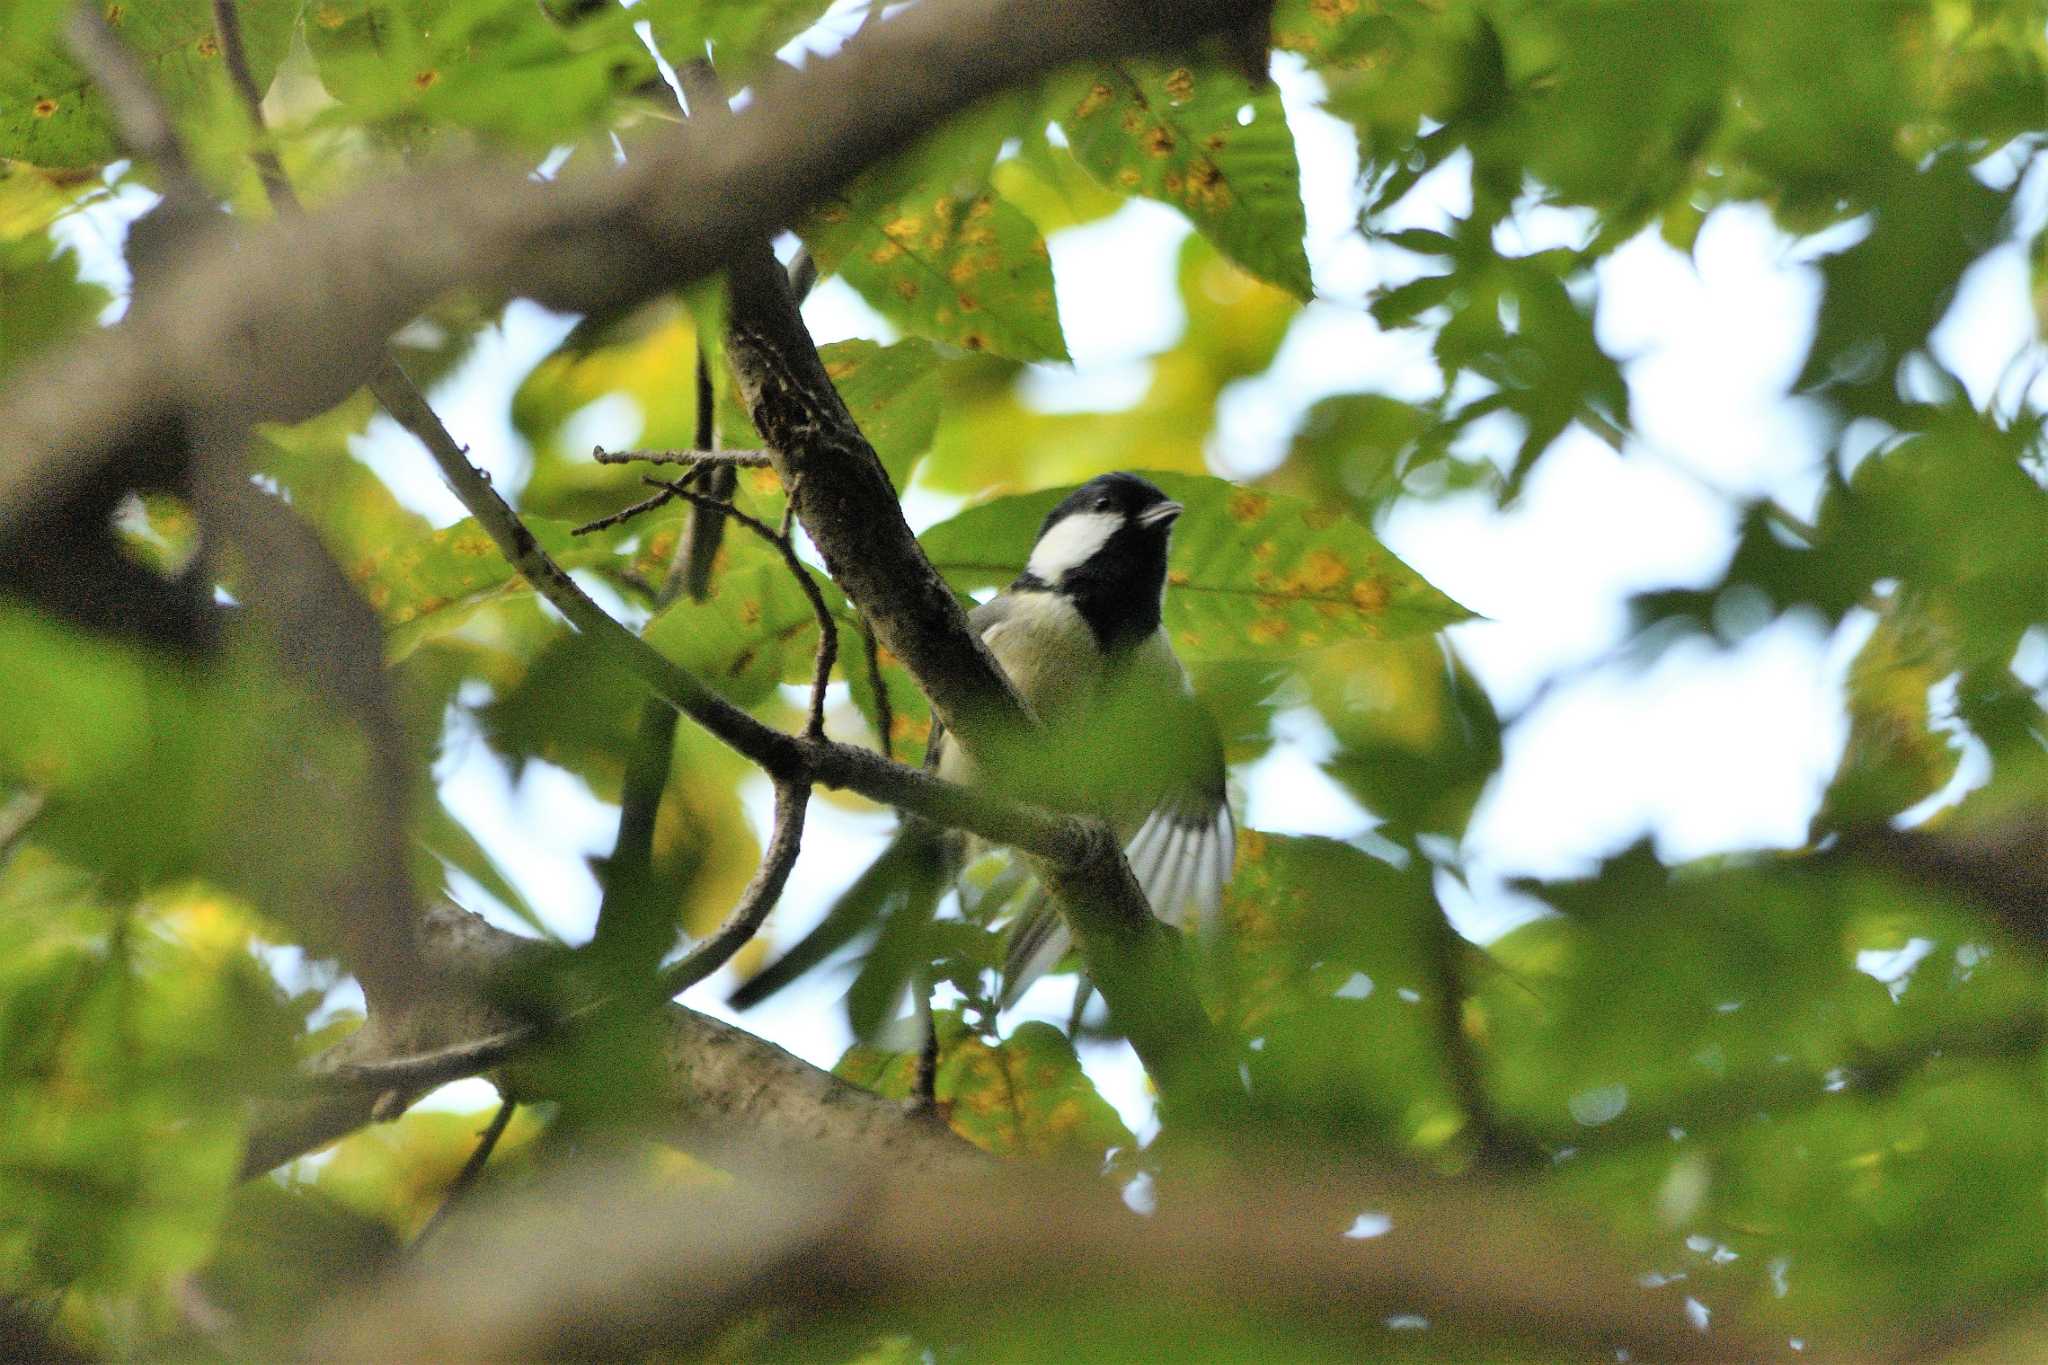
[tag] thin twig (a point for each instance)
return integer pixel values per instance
(605, 523)
(486, 1143)
(227, 23)
(737, 459)
(885, 711)
(140, 117)
(785, 841)
(924, 1093)
(635, 923)
(785, 545)
(696, 556)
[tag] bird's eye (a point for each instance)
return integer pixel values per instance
(1103, 504)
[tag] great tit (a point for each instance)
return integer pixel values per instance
(1122, 738)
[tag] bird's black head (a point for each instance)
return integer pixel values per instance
(1104, 547)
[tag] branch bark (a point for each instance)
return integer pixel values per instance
(724, 1084)
(634, 1271)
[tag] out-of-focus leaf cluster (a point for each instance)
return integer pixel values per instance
(1808, 1083)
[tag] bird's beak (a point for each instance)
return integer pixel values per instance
(1160, 514)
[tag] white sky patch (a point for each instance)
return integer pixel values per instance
(1368, 1225)
(1894, 966)
(1117, 284)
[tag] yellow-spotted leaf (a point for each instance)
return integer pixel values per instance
(1025, 1096)
(927, 240)
(431, 585)
(53, 115)
(1251, 574)
(893, 393)
(1203, 141)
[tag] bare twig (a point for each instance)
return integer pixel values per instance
(737, 459)
(227, 23)
(604, 523)
(924, 1083)
(696, 556)
(784, 843)
(885, 710)
(486, 1143)
(1494, 1144)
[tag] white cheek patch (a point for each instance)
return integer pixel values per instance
(1070, 543)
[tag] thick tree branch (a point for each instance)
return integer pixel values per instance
(723, 1083)
(635, 1271)
(284, 321)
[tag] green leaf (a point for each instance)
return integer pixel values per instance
(756, 630)
(928, 242)
(1174, 134)
(429, 586)
(130, 1043)
(51, 113)
(1252, 573)
(1045, 181)
(1418, 738)
(743, 35)
(1329, 957)
(497, 66)
(893, 393)
(42, 299)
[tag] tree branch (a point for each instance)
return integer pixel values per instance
(634, 1270)
(723, 1083)
(784, 843)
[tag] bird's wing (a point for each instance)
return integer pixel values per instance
(1164, 747)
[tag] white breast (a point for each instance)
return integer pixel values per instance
(1050, 655)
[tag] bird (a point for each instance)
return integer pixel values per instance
(1121, 736)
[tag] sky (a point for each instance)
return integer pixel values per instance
(1705, 748)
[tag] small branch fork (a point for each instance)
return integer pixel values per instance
(427, 1069)
(785, 545)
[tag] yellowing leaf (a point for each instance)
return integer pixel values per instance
(928, 242)
(1181, 135)
(1025, 1096)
